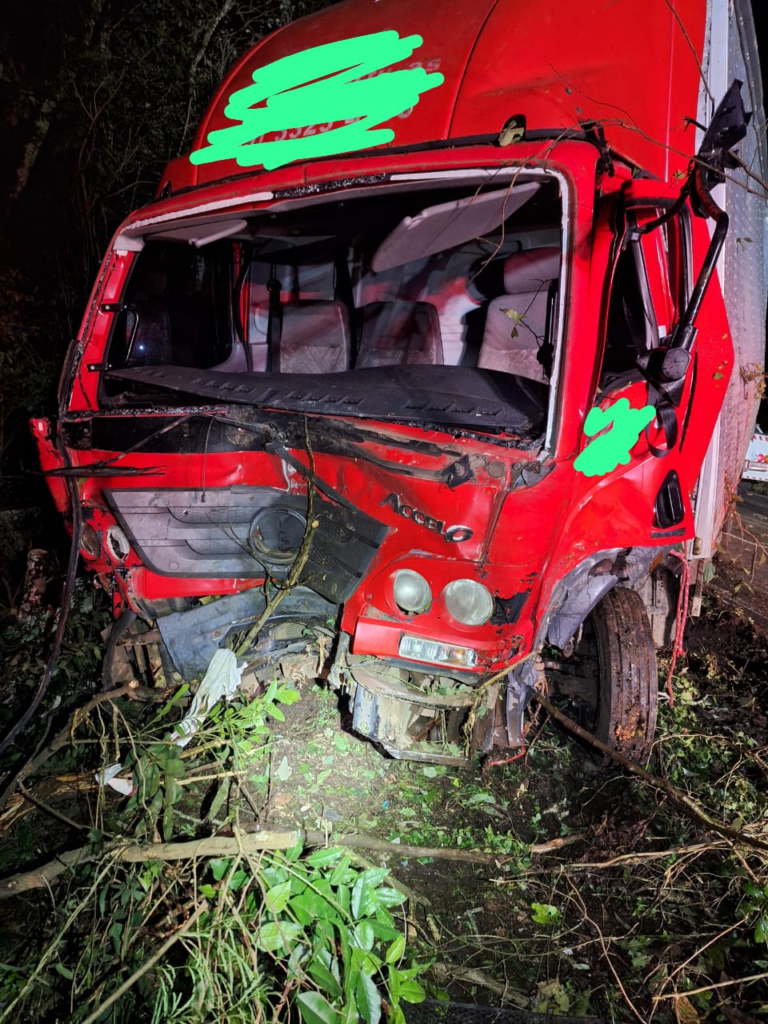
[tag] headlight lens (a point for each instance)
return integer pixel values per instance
(417, 648)
(468, 602)
(411, 591)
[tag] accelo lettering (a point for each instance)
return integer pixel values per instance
(452, 534)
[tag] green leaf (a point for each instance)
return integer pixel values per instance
(295, 852)
(314, 1009)
(368, 999)
(64, 971)
(286, 695)
(325, 979)
(412, 992)
(389, 897)
(219, 867)
(310, 906)
(337, 877)
(284, 770)
(208, 891)
(274, 935)
(364, 935)
(324, 858)
(365, 898)
(396, 950)
(545, 913)
(238, 880)
(116, 934)
(383, 931)
(174, 766)
(277, 897)
(274, 876)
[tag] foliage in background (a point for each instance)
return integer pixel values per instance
(95, 97)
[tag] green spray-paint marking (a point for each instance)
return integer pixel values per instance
(296, 99)
(609, 450)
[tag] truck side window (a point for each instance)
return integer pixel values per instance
(648, 293)
(631, 328)
(176, 309)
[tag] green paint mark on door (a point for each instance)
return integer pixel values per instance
(611, 449)
(318, 86)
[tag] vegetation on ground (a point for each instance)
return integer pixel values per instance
(581, 890)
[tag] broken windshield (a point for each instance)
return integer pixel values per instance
(436, 304)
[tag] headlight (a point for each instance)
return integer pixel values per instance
(416, 648)
(411, 591)
(468, 602)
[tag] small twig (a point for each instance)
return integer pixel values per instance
(681, 799)
(62, 738)
(606, 954)
(709, 988)
(49, 810)
(147, 965)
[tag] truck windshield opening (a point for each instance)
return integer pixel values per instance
(446, 297)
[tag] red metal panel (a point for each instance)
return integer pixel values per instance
(562, 63)
(449, 29)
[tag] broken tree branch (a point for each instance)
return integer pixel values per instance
(135, 853)
(241, 843)
(357, 842)
(65, 736)
(677, 796)
(285, 587)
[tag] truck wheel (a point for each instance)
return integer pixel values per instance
(627, 681)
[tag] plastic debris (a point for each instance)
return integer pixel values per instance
(108, 777)
(220, 682)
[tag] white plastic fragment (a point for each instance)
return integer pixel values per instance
(107, 777)
(220, 681)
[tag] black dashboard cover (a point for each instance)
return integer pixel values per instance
(452, 396)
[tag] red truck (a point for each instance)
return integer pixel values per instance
(441, 320)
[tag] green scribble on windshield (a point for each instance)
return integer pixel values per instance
(611, 449)
(319, 86)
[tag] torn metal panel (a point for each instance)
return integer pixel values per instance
(192, 637)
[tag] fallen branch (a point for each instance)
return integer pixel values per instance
(135, 853)
(445, 973)
(242, 843)
(147, 966)
(437, 852)
(628, 859)
(65, 736)
(677, 796)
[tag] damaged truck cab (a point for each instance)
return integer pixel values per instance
(430, 335)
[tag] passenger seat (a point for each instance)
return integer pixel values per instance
(511, 343)
(399, 333)
(315, 337)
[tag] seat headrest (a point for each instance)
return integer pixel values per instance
(531, 269)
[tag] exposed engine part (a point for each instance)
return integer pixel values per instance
(193, 636)
(412, 716)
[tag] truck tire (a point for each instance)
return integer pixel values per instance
(627, 676)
